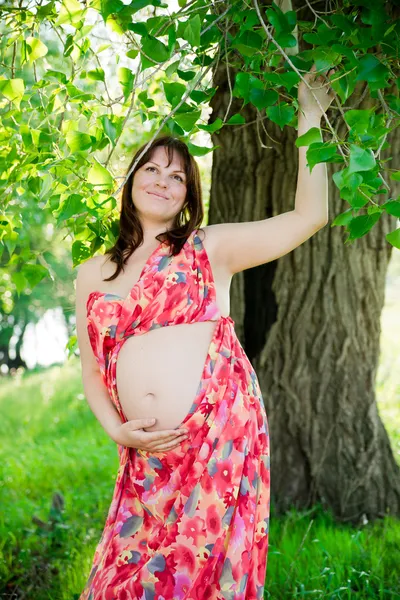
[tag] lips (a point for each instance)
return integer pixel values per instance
(158, 195)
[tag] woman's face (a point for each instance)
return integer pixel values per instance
(158, 191)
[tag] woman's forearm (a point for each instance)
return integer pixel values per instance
(101, 404)
(311, 199)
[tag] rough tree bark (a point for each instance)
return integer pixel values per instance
(309, 322)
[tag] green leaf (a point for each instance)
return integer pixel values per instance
(80, 252)
(361, 159)
(311, 136)
(78, 141)
(173, 92)
(263, 98)
(360, 225)
(354, 197)
(394, 238)
(18, 279)
(392, 207)
(325, 58)
(395, 176)
(154, 49)
(191, 33)
(71, 345)
(236, 119)
(172, 68)
(344, 218)
(212, 127)
(126, 79)
(99, 176)
(281, 114)
(71, 11)
(139, 28)
(73, 205)
(344, 179)
(282, 21)
(109, 128)
(13, 90)
(96, 74)
(132, 53)
(200, 150)
(187, 120)
(319, 152)
(37, 48)
(186, 75)
(33, 273)
(359, 120)
(372, 70)
(287, 80)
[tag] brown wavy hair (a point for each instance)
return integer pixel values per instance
(187, 220)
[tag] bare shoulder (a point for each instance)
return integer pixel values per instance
(211, 240)
(89, 272)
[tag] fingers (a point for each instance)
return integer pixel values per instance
(170, 445)
(160, 439)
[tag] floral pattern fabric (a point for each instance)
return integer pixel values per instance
(189, 523)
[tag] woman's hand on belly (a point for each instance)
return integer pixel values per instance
(132, 435)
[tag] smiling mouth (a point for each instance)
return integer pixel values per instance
(158, 195)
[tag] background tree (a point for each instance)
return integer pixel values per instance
(310, 321)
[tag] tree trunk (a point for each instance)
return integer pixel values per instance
(310, 324)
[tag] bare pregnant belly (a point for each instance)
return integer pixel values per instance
(158, 373)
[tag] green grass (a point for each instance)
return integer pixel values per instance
(52, 444)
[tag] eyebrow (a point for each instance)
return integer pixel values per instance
(154, 163)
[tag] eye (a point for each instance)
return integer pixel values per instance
(150, 167)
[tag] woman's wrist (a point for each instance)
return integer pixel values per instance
(310, 117)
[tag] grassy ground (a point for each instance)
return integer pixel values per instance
(57, 475)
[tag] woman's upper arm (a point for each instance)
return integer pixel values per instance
(83, 284)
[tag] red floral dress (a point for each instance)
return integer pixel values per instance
(189, 523)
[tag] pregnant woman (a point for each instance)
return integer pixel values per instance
(189, 516)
